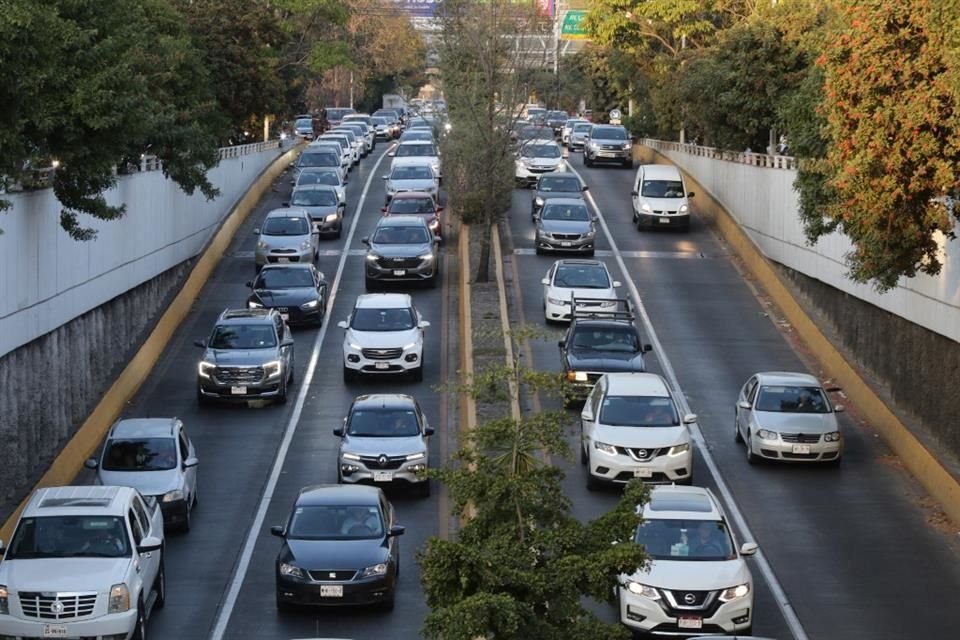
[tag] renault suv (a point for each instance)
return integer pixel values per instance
(248, 356)
(402, 248)
(697, 581)
(383, 335)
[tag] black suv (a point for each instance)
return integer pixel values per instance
(248, 356)
(402, 249)
(599, 340)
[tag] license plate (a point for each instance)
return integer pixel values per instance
(566, 244)
(399, 272)
(382, 476)
(285, 316)
(331, 591)
(381, 365)
(664, 220)
(801, 448)
(238, 391)
(54, 631)
(690, 623)
(283, 259)
(643, 473)
(605, 154)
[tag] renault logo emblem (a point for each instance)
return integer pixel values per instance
(689, 598)
(56, 607)
(333, 575)
(382, 460)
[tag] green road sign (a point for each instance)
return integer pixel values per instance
(572, 28)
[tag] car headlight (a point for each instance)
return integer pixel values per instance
(391, 189)
(261, 245)
(354, 346)
(310, 305)
(4, 600)
(426, 256)
(372, 257)
(608, 449)
(204, 369)
(627, 145)
(346, 455)
(173, 496)
(119, 599)
(447, 126)
(434, 224)
(646, 207)
(594, 146)
(290, 570)
(407, 347)
(375, 570)
(331, 218)
(766, 434)
(272, 369)
(253, 304)
(678, 449)
(642, 590)
(833, 436)
(305, 245)
(538, 201)
(683, 208)
(577, 376)
(557, 301)
(733, 593)
(416, 456)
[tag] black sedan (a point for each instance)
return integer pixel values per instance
(339, 548)
(554, 185)
(297, 290)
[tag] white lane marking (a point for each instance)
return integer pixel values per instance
(786, 607)
(606, 253)
(323, 253)
(223, 617)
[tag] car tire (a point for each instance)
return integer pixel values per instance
(835, 463)
(388, 604)
(339, 232)
(185, 525)
(583, 452)
(590, 252)
(751, 456)
(348, 375)
(686, 481)
(685, 227)
(423, 491)
(539, 251)
(140, 631)
(417, 374)
(282, 397)
(592, 483)
(737, 437)
(628, 164)
(283, 606)
(370, 284)
(434, 279)
(587, 161)
(202, 400)
(639, 224)
(160, 586)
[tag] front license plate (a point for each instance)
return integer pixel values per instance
(664, 220)
(54, 631)
(285, 316)
(566, 244)
(643, 473)
(238, 391)
(690, 623)
(399, 272)
(382, 476)
(801, 448)
(283, 259)
(604, 154)
(381, 365)
(331, 591)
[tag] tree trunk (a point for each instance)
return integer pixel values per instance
(483, 264)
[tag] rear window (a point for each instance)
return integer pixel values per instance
(407, 150)
(140, 454)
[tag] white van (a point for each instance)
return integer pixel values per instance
(660, 197)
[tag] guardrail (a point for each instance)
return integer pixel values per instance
(743, 157)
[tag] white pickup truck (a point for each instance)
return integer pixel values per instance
(84, 562)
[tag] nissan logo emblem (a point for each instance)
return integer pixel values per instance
(56, 607)
(689, 598)
(382, 460)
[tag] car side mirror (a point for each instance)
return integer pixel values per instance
(691, 194)
(396, 530)
(200, 343)
(585, 188)
(617, 283)
(429, 431)
(839, 408)
(832, 389)
(561, 343)
(743, 404)
(391, 154)
(249, 284)
(634, 193)
(91, 463)
(545, 281)
(423, 324)
(290, 166)
(365, 241)
(277, 530)
(338, 431)
(149, 544)
(287, 342)
(256, 232)
(690, 418)
(386, 177)
(285, 203)
(647, 348)
(439, 209)
(749, 548)
(586, 414)
(342, 324)
(2, 548)
(383, 209)
(190, 462)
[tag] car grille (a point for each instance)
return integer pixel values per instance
(274, 259)
(801, 438)
(57, 606)
(540, 169)
(643, 455)
(661, 212)
(231, 375)
(382, 354)
(611, 147)
(389, 462)
(330, 576)
(565, 236)
(399, 263)
(283, 251)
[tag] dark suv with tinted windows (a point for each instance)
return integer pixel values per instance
(402, 249)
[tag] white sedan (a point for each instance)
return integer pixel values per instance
(568, 279)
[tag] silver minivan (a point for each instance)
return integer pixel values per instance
(660, 198)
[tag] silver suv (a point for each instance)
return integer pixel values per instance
(402, 248)
(384, 440)
(248, 356)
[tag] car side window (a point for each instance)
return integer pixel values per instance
(752, 387)
(184, 447)
(141, 514)
(135, 527)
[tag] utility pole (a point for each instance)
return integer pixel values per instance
(351, 88)
(683, 129)
(557, 26)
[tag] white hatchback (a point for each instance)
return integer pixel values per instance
(570, 279)
(697, 581)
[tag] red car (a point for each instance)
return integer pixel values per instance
(418, 203)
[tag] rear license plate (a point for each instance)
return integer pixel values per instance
(382, 476)
(381, 365)
(399, 272)
(54, 631)
(664, 220)
(801, 448)
(690, 623)
(238, 391)
(643, 473)
(283, 259)
(331, 591)
(285, 316)
(566, 244)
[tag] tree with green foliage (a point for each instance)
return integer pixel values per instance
(521, 564)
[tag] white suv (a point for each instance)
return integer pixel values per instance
(84, 562)
(383, 335)
(697, 581)
(630, 427)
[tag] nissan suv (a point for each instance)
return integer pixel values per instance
(608, 143)
(402, 248)
(383, 335)
(248, 356)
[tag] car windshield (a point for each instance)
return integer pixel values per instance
(557, 115)
(338, 114)
(407, 150)
(70, 537)
(314, 197)
(318, 160)
(563, 184)
(281, 278)
(285, 226)
(401, 235)
(412, 205)
(140, 454)
(412, 173)
(335, 522)
(581, 276)
(792, 399)
(536, 133)
(383, 423)
(540, 151)
(685, 540)
(609, 133)
(340, 141)
(416, 135)
(304, 123)
(582, 127)
(638, 411)
(395, 319)
(569, 212)
(571, 123)
(317, 177)
(623, 340)
(662, 189)
(243, 336)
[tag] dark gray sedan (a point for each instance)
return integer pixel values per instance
(565, 224)
(323, 204)
(554, 185)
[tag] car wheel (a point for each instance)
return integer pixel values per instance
(751, 456)
(282, 397)
(185, 525)
(160, 586)
(140, 631)
(592, 483)
(202, 400)
(835, 462)
(583, 451)
(639, 224)
(628, 164)
(686, 225)
(587, 161)
(387, 605)
(737, 436)
(423, 490)
(348, 375)
(282, 605)
(418, 373)
(539, 251)
(590, 252)
(370, 284)
(339, 232)
(686, 481)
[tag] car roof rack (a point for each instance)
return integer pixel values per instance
(594, 309)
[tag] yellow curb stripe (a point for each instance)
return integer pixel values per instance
(85, 441)
(924, 466)
(505, 320)
(468, 404)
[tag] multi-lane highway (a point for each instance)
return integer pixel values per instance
(846, 552)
